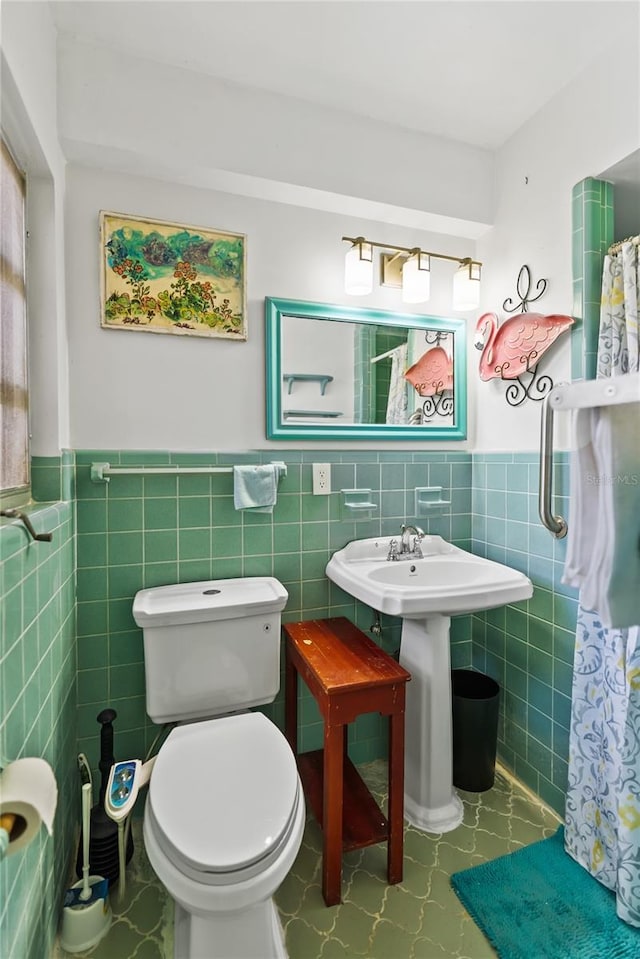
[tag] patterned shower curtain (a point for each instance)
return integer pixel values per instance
(602, 829)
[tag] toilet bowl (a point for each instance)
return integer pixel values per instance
(225, 812)
(223, 823)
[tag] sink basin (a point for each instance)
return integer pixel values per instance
(447, 580)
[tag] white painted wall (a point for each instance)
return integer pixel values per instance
(320, 349)
(199, 128)
(131, 389)
(590, 125)
(29, 110)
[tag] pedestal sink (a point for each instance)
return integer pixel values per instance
(426, 592)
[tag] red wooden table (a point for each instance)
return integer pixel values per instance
(347, 675)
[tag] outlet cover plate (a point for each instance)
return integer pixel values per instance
(321, 479)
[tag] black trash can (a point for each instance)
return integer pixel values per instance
(475, 702)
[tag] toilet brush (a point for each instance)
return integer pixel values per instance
(86, 916)
(103, 848)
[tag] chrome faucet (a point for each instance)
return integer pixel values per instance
(407, 549)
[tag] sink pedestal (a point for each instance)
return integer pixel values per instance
(446, 581)
(430, 802)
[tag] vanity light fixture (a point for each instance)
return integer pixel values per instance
(409, 269)
(358, 268)
(466, 286)
(416, 277)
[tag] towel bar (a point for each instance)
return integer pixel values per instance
(101, 472)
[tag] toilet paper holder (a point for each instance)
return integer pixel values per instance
(28, 800)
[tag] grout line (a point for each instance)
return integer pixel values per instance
(530, 794)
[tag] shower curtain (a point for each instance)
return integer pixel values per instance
(397, 401)
(602, 830)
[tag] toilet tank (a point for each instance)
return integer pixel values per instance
(210, 647)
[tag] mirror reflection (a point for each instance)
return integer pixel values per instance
(361, 373)
(339, 372)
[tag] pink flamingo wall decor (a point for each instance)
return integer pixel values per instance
(515, 347)
(431, 376)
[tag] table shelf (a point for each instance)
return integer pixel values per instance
(348, 675)
(363, 823)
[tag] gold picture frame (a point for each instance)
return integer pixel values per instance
(163, 277)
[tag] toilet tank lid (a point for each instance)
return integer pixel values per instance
(209, 600)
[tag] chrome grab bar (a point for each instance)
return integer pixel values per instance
(555, 524)
(583, 394)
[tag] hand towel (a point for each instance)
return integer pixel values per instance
(255, 487)
(603, 552)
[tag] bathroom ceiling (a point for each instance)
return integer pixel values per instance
(469, 71)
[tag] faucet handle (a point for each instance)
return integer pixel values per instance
(393, 550)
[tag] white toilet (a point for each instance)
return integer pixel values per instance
(225, 813)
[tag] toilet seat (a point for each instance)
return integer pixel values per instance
(223, 797)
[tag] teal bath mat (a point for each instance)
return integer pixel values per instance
(538, 903)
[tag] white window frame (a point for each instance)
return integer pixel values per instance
(21, 494)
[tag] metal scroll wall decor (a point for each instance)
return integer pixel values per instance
(432, 378)
(513, 349)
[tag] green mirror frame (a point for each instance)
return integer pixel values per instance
(277, 427)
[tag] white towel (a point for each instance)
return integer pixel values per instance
(255, 487)
(583, 500)
(603, 552)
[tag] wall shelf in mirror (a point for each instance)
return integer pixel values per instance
(322, 379)
(309, 414)
(371, 359)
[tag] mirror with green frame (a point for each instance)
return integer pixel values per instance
(339, 372)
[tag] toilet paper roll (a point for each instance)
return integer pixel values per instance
(28, 791)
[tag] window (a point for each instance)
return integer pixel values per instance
(14, 412)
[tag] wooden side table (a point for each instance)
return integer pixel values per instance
(347, 675)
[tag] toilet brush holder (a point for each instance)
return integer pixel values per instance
(85, 924)
(86, 916)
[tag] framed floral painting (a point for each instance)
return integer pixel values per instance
(162, 277)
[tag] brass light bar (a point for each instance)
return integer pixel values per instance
(408, 268)
(412, 250)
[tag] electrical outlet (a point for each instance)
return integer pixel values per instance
(321, 479)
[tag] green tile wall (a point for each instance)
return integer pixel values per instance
(53, 477)
(365, 374)
(592, 215)
(38, 693)
(385, 340)
(145, 531)
(527, 647)
(141, 531)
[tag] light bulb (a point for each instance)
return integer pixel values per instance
(358, 269)
(466, 286)
(416, 278)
